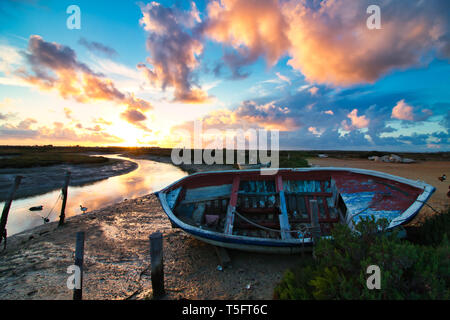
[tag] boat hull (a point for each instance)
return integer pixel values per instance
(347, 181)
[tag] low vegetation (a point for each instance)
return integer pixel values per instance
(294, 159)
(28, 156)
(409, 269)
(432, 231)
(27, 159)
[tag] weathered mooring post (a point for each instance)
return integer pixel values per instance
(79, 256)
(4, 219)
(157, 265)
(64, 199)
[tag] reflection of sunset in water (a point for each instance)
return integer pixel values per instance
(150, 176)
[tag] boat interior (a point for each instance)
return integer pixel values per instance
(270, 207)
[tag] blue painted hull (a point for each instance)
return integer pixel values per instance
(294, 244)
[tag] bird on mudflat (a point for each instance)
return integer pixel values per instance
(443, 178)
(84, 209)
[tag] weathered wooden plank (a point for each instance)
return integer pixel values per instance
(211, 192)
(232, 206)
(315, 226)
(204, 199)
(261, 211)
(320, 194)
(284, 219)
(172, 197)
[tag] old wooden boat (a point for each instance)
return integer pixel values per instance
(248, 210)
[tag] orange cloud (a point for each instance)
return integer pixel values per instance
(27, 130)
(249, 115)
(402, 111)
(315, 131)
(357, 122)
(253, 27)
(332, 44)
(329, 41)
(135, 117)
(313, 91)
(174, 51)
(56, 67)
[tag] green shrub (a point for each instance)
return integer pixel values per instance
(432, 231)
(408, 271)
(292, 160)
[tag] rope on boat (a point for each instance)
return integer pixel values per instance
(356, 214)
(270, 229)
(425, 204)
(428, 206)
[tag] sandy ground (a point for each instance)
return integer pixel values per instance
(116, 261)
(427, 171)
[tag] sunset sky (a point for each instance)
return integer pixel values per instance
(138, 72)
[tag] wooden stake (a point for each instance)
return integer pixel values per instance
(4, 219)
(64, 199)
(79, 257)
(224, 258)
(157, 265)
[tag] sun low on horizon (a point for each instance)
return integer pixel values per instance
(326, 74)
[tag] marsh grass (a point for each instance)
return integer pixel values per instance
(41, 159)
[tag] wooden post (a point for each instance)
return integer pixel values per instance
(79, 254)
(157, 264)
(4, 219)
(224, 258)
(314, 207)
(64, 199)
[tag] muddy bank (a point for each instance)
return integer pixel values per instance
(40, 180)
(116, 261)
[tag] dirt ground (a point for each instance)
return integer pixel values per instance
(427, 171)
(117, 260)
